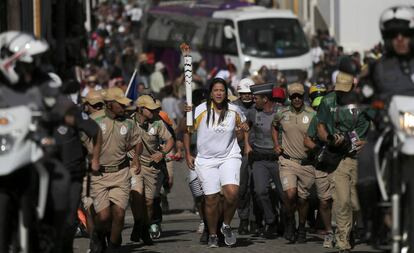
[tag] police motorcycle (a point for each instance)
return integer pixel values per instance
(394, 161)
(24, 175)
(20, 158)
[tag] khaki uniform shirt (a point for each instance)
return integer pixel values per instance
(294, 125)
(118, 137)
(153, 134)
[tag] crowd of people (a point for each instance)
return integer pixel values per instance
(280, 172)
(259, 146)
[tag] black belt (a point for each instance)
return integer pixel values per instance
(257, 156)
(115, 168)
(297, 160)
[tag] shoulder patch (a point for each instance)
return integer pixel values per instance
(84, 116)
(305, 119)
(62, 130)
(102, 125)
(123, 130)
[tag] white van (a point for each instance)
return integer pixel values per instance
(231, 32)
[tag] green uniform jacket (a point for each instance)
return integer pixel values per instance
(342, 119)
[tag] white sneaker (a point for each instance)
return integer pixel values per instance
(229, 236)
(329, 240)
(200, 227)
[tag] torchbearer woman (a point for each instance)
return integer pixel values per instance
(218, 157)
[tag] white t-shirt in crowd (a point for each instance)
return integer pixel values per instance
(218, 140)
(316, 54)
(86, 90)
(135, 13)
(171, 106)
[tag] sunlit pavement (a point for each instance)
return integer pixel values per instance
(179, 231)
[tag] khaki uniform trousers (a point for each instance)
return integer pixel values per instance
(345, 200)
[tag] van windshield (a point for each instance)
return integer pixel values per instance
(272, 38)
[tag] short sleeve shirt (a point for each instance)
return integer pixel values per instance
(118, 137)
(153, 135)
(294, 125)
(217, 140)
(261, 124)
(313, 128)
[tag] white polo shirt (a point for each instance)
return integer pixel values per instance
(217, 140)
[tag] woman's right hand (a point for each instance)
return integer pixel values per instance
(188, 108)
(190, 161)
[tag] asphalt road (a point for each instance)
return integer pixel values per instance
(179, 231)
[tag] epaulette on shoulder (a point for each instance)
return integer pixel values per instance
(158, 123)
(100, 118)
(309, 109)
(130, 123)
(284, 109)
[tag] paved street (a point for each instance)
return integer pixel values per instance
(179, 231)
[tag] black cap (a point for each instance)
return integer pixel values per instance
(262, 89)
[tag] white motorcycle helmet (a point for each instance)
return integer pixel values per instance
(16, 46)
(244, 85)
(404, 15)
(397, 19)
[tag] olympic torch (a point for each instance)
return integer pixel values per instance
(188, 79)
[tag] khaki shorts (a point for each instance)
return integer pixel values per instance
(324, 184)
(108, 188)
(146, 181)
(294, 175)
(87, 201)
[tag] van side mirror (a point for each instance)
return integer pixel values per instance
(228, 32)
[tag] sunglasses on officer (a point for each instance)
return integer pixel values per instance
(97, 106)
(296, 95)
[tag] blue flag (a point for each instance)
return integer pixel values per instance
(132, 91)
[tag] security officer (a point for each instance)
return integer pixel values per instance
(296, 175)
(94, 106)
(245, 103)
(394, 73)
(24, 83)
(69, 150)
(145, 185)
(110, 187)
(341, 125)
(262, 156)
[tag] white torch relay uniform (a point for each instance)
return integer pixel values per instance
(218, 158)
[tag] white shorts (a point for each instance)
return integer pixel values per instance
(214, 173)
